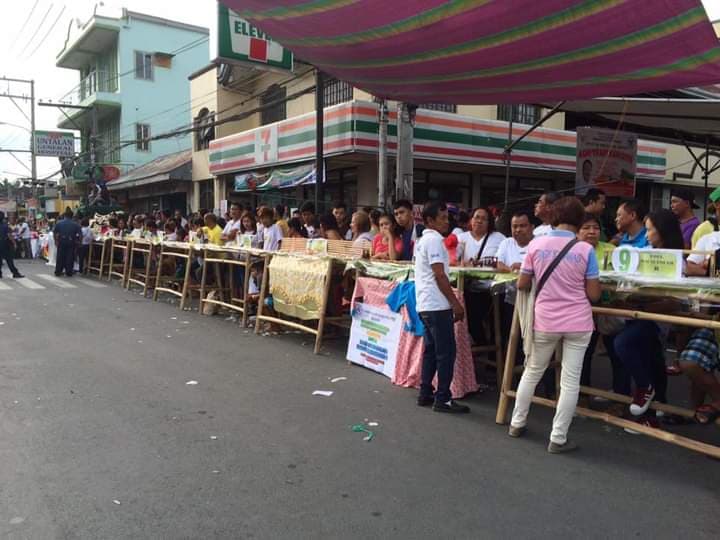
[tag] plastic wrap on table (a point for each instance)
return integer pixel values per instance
(393, 271)
(297, 285)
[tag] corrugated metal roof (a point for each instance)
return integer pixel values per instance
(157, 170)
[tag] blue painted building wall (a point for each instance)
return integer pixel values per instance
(148, 101)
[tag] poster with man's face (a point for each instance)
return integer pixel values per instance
(607, 160)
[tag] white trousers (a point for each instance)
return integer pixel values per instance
(574, 345)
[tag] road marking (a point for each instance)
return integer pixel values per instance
(57, 281)
(4, 287)
(91, 283)
(29, 284)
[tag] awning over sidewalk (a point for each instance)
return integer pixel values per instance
(352, 128)
(486, 52)
(176, 166)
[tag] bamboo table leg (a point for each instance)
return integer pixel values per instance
(148, 265)
(501, 417)
(263, 290)
(498, 341)
(323, 308)
(246, 288)
(203, 280)
(157, 275)
(186, 282)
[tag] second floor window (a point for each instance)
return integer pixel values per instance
(142, 136)
(143, 66)
(337, 92)
(523, 114)
(273, 105)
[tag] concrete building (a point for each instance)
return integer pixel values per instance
(132, 70)
(458, 149)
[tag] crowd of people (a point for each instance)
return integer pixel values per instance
(558, 262)
(557, 250)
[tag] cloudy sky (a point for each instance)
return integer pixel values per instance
(29, 53)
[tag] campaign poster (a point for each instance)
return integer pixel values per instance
(607, 160)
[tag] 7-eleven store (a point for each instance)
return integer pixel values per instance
(458, 159)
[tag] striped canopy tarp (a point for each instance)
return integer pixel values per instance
(497, 51)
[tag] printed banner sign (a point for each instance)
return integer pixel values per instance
(374, 338)
(317, 246)
(240, 41)
(606, 159)
(276, 179)
(650, 263)
(245, 241)
(55, 143)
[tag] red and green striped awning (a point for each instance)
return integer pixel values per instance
(497, 51)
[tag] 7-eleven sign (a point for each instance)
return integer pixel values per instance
(241, 41)
(266, 145)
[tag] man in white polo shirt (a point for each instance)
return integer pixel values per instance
(232, 227)
(439, 309)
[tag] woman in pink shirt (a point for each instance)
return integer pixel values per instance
(563, 315)
(387, 244)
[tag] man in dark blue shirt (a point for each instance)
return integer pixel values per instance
(67, 235)
(7, 247)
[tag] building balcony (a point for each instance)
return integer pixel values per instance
(87, 42)
(99, 90)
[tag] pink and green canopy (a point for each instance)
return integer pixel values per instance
(497, 51)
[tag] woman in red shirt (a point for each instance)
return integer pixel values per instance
(387, 245)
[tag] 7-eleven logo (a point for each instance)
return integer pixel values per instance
(252, 42)
(266, 145)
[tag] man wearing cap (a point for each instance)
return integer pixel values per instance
(711, 224)
(682, 204)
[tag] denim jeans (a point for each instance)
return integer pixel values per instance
(621, 383)
(439, 354)
(639, 348)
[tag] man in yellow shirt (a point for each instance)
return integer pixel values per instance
(711, 224)
(212, 230)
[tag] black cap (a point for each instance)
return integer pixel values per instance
(685, 195)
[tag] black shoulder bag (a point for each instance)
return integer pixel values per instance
(560, 256)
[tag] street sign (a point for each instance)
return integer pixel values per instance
(54, 143)
(240, 41)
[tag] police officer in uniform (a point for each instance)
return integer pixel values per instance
(67, 234)
(7, 248)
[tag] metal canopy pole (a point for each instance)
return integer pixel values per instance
(382, 155)
(705, 168)
(319, 139)
(512, 144)
(706, 175)
(508, 159)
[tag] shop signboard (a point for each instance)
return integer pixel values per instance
(55, 143)
(240, 41)
(374, 338)
(607, 160)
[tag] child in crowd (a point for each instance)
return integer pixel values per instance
(272, 234)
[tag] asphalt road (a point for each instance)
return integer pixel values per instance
(101, 437)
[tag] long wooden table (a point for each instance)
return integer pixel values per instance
(686, 320)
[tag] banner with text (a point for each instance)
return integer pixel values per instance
(606, 160)
(374, 338)
(54, 143)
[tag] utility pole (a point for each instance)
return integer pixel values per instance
(382, 155)
(31, 120)
(33, 156)
(404, 174)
